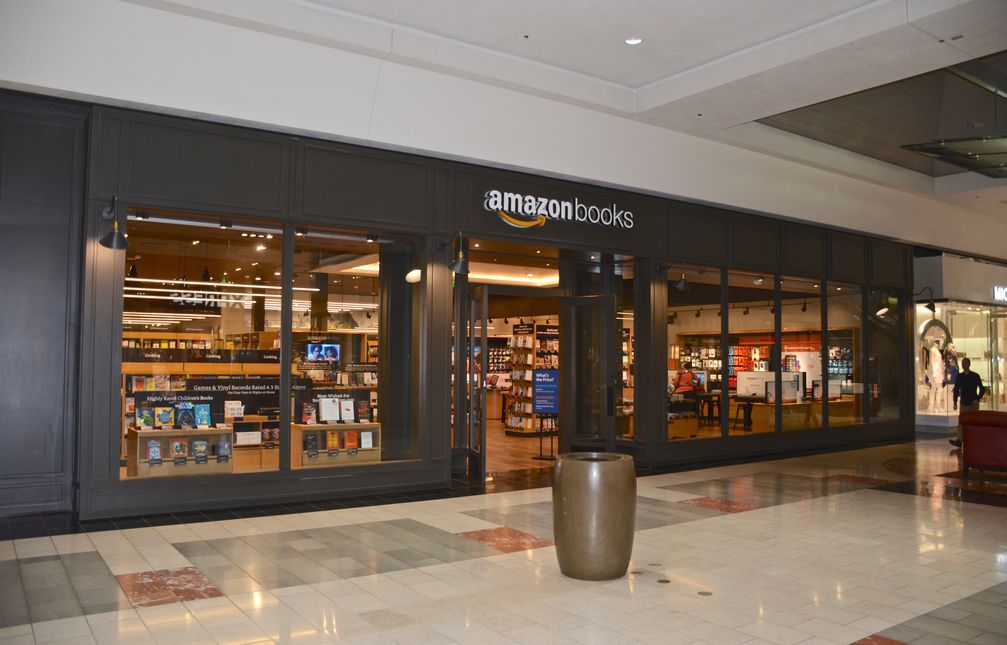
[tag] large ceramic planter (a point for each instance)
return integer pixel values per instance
(594, 514)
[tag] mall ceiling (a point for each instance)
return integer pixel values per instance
(743, 73)
(951, 103)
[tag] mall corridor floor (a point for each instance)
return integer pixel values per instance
(881, 545)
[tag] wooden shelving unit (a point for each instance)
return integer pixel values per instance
(300, 458)
(137, 464)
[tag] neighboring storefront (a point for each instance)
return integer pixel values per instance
(298, 319)
(969, 300)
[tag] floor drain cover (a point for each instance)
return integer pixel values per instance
(664, 581)
(705, 593)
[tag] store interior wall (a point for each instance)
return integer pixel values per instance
(73, 49)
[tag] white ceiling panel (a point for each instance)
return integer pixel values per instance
(587, 36)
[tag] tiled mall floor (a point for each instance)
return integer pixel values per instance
(876, 545)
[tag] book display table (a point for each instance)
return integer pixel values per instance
(175, 453)
(319, 445)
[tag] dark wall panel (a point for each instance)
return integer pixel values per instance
(889, 263)
(804, 250)
(206, 166)
(40, 191)
(755, 242)
(848, 257)
(695, 232)
(373, 190)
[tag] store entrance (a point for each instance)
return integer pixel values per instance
(544, 337)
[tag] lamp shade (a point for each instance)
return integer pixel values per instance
(460, 266)
(114, 239)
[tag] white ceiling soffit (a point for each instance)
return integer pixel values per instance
(730, 62)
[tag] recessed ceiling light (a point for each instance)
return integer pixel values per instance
(634, 40)
(261, 247)
(255, 264)
(529, 275)
(238, 269)
(276, 273)
(475, 245)
(195, 242)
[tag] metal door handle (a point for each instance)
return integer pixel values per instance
(610, 399)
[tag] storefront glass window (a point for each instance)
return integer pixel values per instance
(884, 360)
(844, 381)
(752, 353)
(695, 359)
(355, 349)
(943, 339)
(200, 346)
(801, 314)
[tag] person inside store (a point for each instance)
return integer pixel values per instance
(686, 382)
(969, 387)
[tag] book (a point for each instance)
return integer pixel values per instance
(202, 414)
(154, 451)
(311, 444)
(179, 450)
(328, 409)
(366, 439)
(164, 417)
(201, 450)
(351, 440)
(309, 413)
(346, 410)
(139, 384)
(145, 417)
(363, 410)
(162, 383)
(184, 416)
(332, 442)
(223, 450)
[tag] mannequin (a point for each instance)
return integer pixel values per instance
(936, 375)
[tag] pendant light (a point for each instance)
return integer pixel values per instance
(132, 273)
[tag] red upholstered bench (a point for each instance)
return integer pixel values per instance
(984, 441)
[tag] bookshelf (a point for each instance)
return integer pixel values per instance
(322, 450)
(534, 346)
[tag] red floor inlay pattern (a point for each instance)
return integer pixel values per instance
(150, 588)
(507, 539)
(874, 639)
(724, 505)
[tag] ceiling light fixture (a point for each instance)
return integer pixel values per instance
(225, 224)
(744, 311)
(804, 307)
(634, 40)
(698, 312)
(260, 247)
(195, 242)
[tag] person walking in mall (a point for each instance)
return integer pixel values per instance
(969, 387)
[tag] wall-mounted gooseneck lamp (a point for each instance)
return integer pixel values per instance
(114, 239)
(930, 302)
(460, 264)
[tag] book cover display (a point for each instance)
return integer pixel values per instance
(201, 450)
(224, 451)
(145, 418)
(179, 451)
(154, 452)
(184, 416)
(311, 445)
(309, 414)
(366, 439)
(164, 417)
(202, 415)
(332, 442)
(346, 410)
(351, 441)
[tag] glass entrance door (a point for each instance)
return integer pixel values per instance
(589, 373)
(476, 370)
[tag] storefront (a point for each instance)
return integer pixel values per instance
(967, 320)
(297, 319)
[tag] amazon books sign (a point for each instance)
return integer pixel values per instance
(530, 211)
